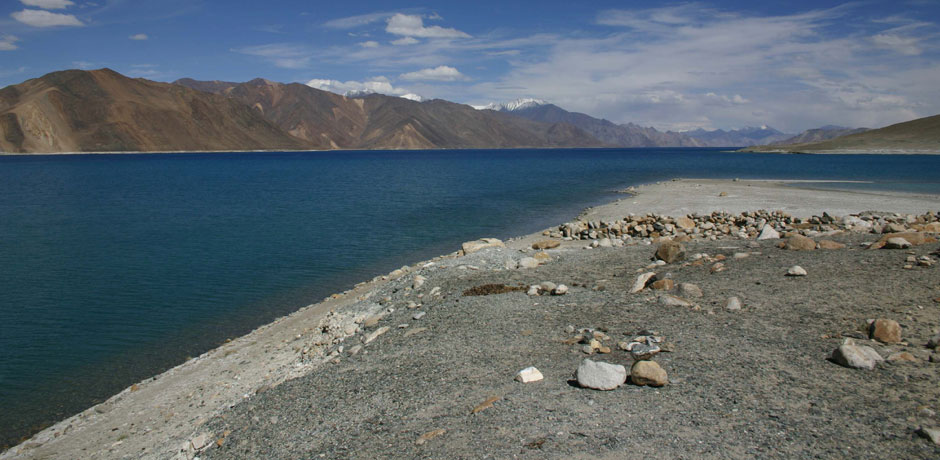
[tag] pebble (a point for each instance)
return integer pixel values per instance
(418, 282)
(663, 285)
(902, 356)
(740, 255)
(734, 303)
(600, 375)
(200, 442)
(796, 270)
(648, 373)
(424, 438)
(533, 290)
(934, 341)
(418, 315)
(885, 331)
(547, 286)
(529, 374)
(561, 289)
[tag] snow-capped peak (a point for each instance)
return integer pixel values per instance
(518, 104)
(412, 97)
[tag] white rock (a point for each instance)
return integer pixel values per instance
(473, 246)
(741, 255)
(418, 282)
(528, 375)
(856, 356)
(931, 434)
(690, 290)
(897, 243)
(768, 233)
(673, 301)
(375, 334)
(605, 243)
(547, 286)
(734, 303)
(533, 290)
(200, 442)
(641, 281)
(528, 262)
(419, 315)
(600, 375)
(561, 289)
(796, 270)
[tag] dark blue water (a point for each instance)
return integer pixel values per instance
(116, 267)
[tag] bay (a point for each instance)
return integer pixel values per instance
(114, 268)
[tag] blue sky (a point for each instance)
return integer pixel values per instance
(723, 64)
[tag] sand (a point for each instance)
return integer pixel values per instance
(278, 395)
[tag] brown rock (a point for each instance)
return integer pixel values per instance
(829, 244)
(902, 356)
(546, 244)
(648, 373)
(485, 404)
(429, 436)
(542, 257)
(915, 238)
(799, 243)
(670, 251)
(685, 223)
(886, 331)
(663, 285)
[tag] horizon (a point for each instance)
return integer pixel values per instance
(711, 65)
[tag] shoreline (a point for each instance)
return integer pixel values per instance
(171, 409)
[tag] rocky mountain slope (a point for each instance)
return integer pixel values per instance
(101, 110)
(821, 134)
(104, 111)
(916, 136)
(626, 135)
(375, 121)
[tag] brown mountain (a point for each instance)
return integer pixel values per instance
(376, 121)
(102, 110)
(916, 136)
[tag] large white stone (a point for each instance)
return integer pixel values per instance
(600, 375)
(768, 233)
(856, 356)
(473, 246)
(529, 374)
(641, 281)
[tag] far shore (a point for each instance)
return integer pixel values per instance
(171, 410)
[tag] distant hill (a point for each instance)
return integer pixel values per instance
(738, 137)
(375, 121)
(820, 134)
(626, 135)
(916, 136)
(102, 110)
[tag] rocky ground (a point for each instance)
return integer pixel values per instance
(423, 363)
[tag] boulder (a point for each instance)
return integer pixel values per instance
(885, 330)
(829, 244)
(897, 243)
(799, 243)
(855, 356)
(685, 223)
(546, 244)
(473, 246)
(768, 233)
(641, 281)
(648, 373)
(670, 251)
(600, 375)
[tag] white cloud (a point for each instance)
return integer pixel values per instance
(439, 73)
(40, 18)
(283, 55)
(413, 26)
(139, 37)
(725, 99)
(84, 65)
(405, 41)
(379, 84)
(369, 44)
(352, 22)
(8, 43)
(48, 4)
(903, 45)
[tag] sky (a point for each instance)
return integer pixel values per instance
(792, 65)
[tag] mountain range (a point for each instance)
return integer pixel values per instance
(104, 111)
(916, 136)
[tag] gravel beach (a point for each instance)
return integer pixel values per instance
(422, 363)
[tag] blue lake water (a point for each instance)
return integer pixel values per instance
(115, 267)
